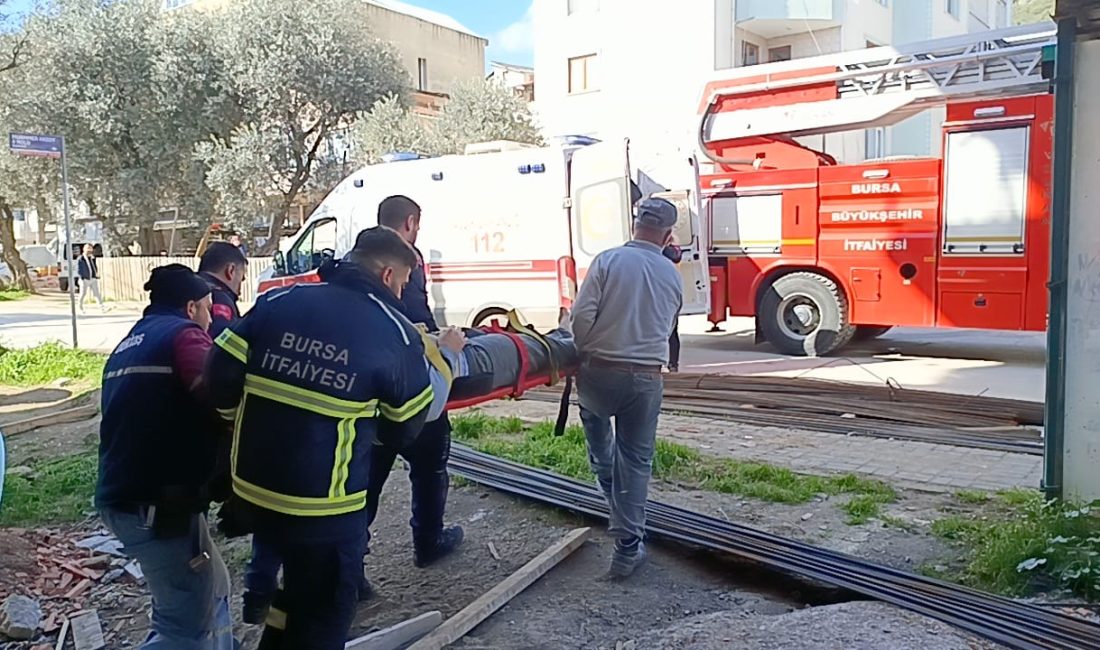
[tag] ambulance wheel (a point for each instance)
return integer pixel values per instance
(491, 315)
(804, 314)
(868, 332)
(63, 284)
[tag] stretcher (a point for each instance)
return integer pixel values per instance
(508, 361)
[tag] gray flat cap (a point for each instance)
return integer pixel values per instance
(656, 213)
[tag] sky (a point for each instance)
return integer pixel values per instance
(506, 23)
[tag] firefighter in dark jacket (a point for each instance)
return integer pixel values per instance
(313, 396)
(223, 266)
(158, 442)
(427, 458)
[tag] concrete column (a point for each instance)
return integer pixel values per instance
(1081, 450)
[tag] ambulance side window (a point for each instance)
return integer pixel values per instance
(309, 251)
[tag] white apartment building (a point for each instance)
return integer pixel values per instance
(624, 68)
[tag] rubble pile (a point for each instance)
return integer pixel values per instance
(55, 580)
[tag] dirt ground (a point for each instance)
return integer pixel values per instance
(571, 607)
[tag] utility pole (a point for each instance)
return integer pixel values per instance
(1073, 350)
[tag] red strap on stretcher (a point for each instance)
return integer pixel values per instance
(523, 382)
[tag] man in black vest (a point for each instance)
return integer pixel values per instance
(157, 452)
(427, 456)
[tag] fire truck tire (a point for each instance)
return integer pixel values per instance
(868, 332)
(805, 314)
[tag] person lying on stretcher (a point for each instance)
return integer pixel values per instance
(482, 363)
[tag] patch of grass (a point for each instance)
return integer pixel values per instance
(972, 496)
(568, 455)
(59, 490)
(47, 363)
(10, 295)
(1024, 544)
(862, 508)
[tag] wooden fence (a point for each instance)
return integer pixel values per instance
(122, 278)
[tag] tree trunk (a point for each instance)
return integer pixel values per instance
(20, 276)
(43, 210)
(275, 229)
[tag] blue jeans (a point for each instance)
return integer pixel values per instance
(621, 458)
(190, 608)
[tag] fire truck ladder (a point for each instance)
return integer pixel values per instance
(873, 87)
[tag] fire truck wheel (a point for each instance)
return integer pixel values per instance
(805, 314)
(868, 332)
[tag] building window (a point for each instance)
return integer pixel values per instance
(884, 3)
(582, 74)
(750, 53)
(779, 54)
(422, 74)
(874, 143)
(176, 4)
(953, 7)
(581, 6)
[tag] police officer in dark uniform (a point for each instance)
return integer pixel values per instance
(158, 443)
(313, 395)
(223, 266)
(427, 458)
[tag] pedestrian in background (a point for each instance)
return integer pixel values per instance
(622, 320)
(88, 270)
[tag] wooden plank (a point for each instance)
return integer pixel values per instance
(62, 634)
(458, 625)
(398, 635)
(68, 415)
(87, 632)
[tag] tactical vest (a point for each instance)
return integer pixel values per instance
(156, 441)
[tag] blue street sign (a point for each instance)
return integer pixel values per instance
(30, 144)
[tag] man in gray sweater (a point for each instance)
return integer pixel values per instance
(624, 313)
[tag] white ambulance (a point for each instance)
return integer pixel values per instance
(507, 226)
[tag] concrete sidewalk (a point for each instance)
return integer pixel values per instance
(915, 465)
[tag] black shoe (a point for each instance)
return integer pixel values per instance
(448, 541)
(255, 608)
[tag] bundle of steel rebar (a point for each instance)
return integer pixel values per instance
(1013, 624)
(854, 409)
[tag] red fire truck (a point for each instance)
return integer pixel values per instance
(821, 252)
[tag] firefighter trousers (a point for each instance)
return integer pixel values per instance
(427, 458)
(317, 603)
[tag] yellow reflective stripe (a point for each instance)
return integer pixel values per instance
(276, 618)
(229, 341)
(237, 434)
(345, 438)
(308, 400)
(409, 408)
(299, 506)
(435, 357)
(229, 415)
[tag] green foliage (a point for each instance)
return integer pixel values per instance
(477, 111)
(972, 496)
(47, 363)
(568, 455)
(58, 490)
(11, 295)
(1028, 544)
(301, 72)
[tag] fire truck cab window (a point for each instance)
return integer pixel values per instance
(747, 224)
(985, 194)
(310, 249)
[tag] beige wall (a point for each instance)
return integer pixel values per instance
(451, 56)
